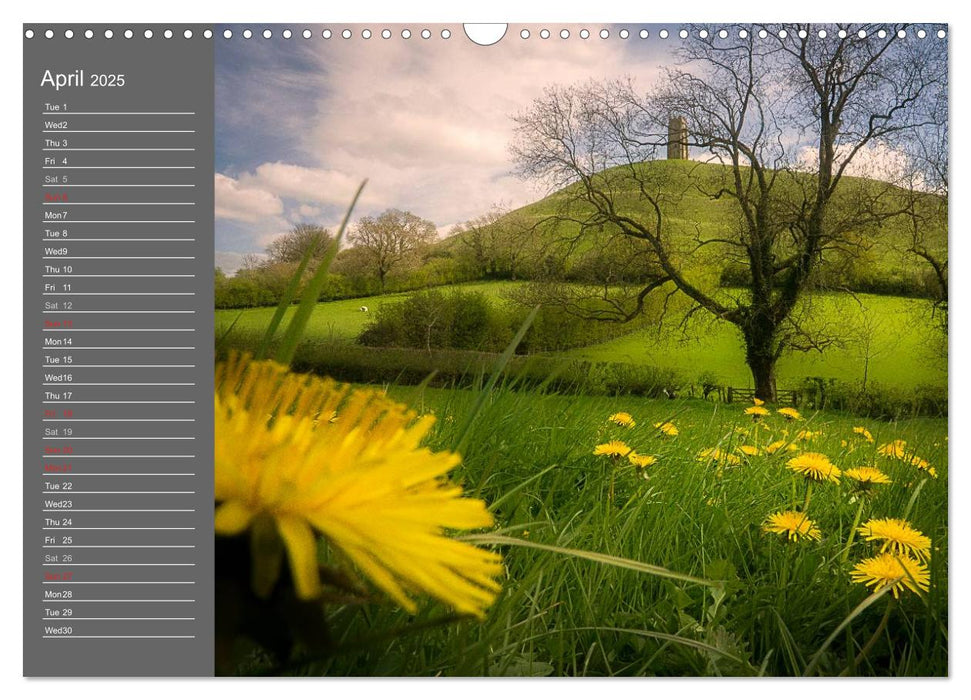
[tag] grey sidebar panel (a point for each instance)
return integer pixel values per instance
(118, 350)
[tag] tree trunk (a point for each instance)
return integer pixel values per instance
(763, 373)
(761, 355)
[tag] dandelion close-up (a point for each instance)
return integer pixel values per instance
(789, 414)
(922, 464)
(899, 572)
(715, 454)
(864, 478)
(897, 537)
(894, 449)
(808, 435)
(793, 524)
(641, 461)
(364, 482)
(614, 449)
(814, 466)
(749, 450)
(667, 429)
(624, 420)
(757, 412)
(862, 432)
(774, 447)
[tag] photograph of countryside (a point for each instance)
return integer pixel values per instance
(602, 350)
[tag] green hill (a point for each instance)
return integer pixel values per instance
(876, 261)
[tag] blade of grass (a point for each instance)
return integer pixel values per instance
(311, 292)
(288, 294)
(856, 612)
(225, 334)
(597, 557)
(497, 370)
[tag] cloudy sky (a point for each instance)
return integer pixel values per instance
(300, 122)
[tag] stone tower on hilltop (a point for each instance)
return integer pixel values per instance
(677, 139)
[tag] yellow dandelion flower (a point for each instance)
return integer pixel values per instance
(894, 450)
(641, 461)
(921, 464)
(758, 401)
(364, 482)
(792, 524)
(867, 476)
(898, 572)
(714, 454)
(808, 434)
(815, 466)
(897, 536)
(756, 411)
(789, 413)
(667, 428)
(624, 420)
(614, 449)
(774, 447)
(749, 450)
(863, 433)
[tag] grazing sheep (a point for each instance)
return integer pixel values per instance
(364, 309)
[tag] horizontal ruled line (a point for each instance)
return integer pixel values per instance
(118, 636)
(118, 384)
(48, 475)
(121, 402)
(121, 240)
(118, 131)
(120, 600)
(102, 276)
(118, 438)
(116, 221)
(117, 149)
(120, 456)
(73, 564)
(117, 510)
(119, 330)
(115, 619)
(119, 347)
(119, 167)
(123, 311)
(119, 294)
(148, 184)
(123, 583)
(118, 528)
(72, 365)
(117, 204)
(181, 493)
(118, 257)
(118, 546)
(124, 113)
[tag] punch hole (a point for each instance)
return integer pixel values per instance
(663, 33)
(643, 34)
(207, 34)
(29, 34)
(544, 34)
(109, 34)
(485, 34)
(624, 33)
(88, 34)
(167, 34)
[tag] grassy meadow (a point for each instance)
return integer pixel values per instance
(893, 339)
(734, 600)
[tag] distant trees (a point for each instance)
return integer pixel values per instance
(494, 243)
(293, 245)
(391, 239)
(787, 114)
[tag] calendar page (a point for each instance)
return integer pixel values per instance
(485, 350)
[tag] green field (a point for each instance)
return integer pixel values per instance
(530, 458)
(902, 340)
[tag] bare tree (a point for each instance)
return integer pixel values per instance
(293, 245)
(391, 238)
(757, 107)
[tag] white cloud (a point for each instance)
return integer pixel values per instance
(428, 123)
(238, 202)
